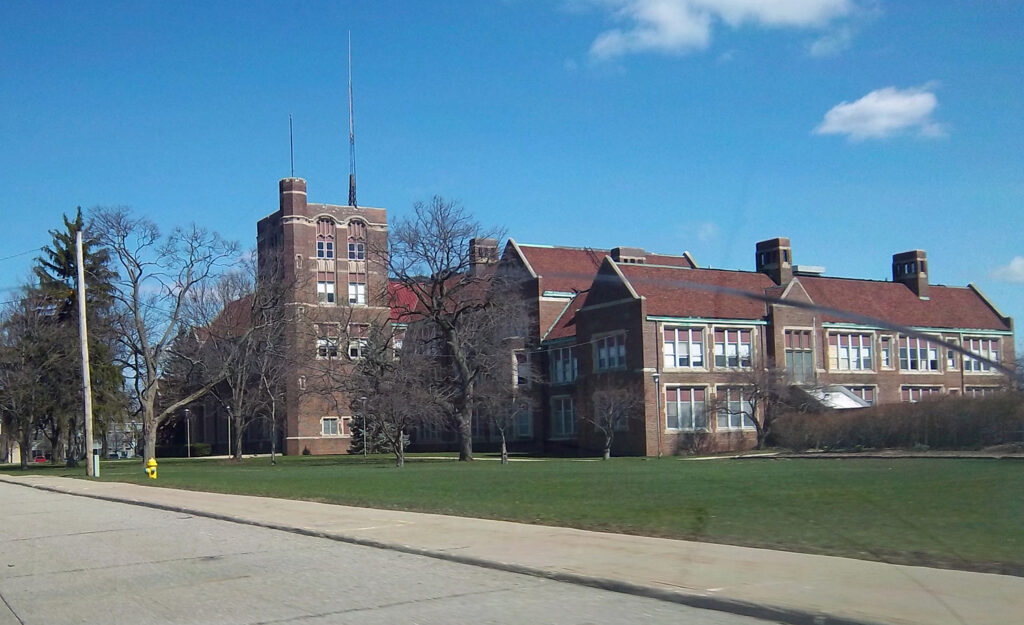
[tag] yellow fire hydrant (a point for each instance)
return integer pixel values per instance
(151, 468)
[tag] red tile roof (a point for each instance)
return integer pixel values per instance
(678, 292)
(569, 269)
(947, 307)
(565, 326)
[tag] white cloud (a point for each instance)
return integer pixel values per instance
(884, 113)
(707, 231)
(831, 43)
(1014, 272)
(681, 26)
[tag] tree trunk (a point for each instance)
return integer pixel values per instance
(273, 433)
(148, 442)
(465, 437)
(504, 449)
(26, 447)
(400, 450)
(237, 433)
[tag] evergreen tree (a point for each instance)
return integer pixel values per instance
(56, 273)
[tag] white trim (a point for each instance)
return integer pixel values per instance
(707, 320)
(522, 257)
(622, 277)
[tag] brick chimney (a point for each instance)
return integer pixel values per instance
(634, 255)
(774, 257)
(911, 268)
(482, 253)
(293, 196)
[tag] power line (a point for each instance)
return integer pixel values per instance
(34, 249)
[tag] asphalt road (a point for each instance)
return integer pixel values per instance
(67, 559)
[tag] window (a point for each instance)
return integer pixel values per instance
(610, 352)
(732, 348)
(563, 417)
(799, 356)
(357, 348)
(980, 391)
(564, 367)
(302, 382)
(867, 393)
(684, 348)
(735, 412)
(325, 288)
(914, 394)
(849, 352)
(356, 240)
(986, 348)
(523, 425)
(357, 289)
(326, 347)
(918, 355)
(329, 426)
(685, 409)
(885, 351)
(324, 238)
(950, 358)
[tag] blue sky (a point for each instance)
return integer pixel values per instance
(857, 128)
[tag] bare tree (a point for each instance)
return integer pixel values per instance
(755, 397)
(504, 395)
(611, 411)
(27, 366)
(396, 392)
(430, 256)
(157, 275)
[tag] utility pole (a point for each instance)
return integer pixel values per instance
(92, 470)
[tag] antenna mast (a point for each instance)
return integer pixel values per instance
(291, 143)
(351, 132)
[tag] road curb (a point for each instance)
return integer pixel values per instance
(778, 614)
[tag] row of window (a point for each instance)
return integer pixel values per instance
(683, 348)
(325, 291)
(325, 237)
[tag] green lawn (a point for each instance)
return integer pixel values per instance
(961, 513)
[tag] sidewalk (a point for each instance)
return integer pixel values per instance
(774, 585)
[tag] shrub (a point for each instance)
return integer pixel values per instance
(200, 449)
(946, 423)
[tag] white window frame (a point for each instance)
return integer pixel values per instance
(356, 250)
(613, 348)
(922, 392)
(854, 360)
(356, 293)
(862, 390)
(746, 422)
(683, 339)
(325, 292)
(791, 351)
(981, 391)
(987, 347)
(692, 404)
(919, 351)
(885, 353)
(357, 348)
(733, 347)
(325, 430)
(326, 347)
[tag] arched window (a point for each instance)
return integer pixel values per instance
(356, 240)
(324, 238)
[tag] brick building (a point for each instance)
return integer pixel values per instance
(690, 340)
(328, 256)
(685, 339)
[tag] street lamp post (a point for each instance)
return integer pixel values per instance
(657, 397)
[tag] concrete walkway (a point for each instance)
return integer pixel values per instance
(774, 585)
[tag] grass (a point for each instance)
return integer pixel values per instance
(958, 513)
